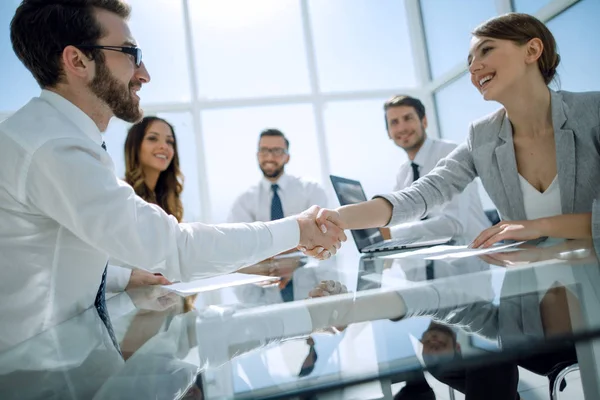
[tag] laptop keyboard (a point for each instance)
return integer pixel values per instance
(390, 244)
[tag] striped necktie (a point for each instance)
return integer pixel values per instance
(100, 302)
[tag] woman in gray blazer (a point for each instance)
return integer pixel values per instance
(540, 143)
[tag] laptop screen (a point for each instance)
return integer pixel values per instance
(351, 192)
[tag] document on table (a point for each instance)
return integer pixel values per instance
(217, 282)
(445, 252)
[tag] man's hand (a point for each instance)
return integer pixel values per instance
(153, 298)
(328, 288)
(140, 278)
(319, 240)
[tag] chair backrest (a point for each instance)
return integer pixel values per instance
(493, 216)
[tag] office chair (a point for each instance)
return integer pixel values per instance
(493, 216)
(556, 377)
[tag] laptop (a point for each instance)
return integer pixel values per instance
(349, 191)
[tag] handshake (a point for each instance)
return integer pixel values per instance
(321, 232)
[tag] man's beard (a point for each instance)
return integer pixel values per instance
(273, 174)
(421, 139)
(116, 95)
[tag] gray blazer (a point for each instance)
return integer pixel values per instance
(489, 153)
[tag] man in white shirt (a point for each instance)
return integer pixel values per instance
(63, 209)
(463, 218)
(278, 194)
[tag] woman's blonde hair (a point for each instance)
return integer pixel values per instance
(170, 182)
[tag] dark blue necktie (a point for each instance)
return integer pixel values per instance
(416, 175)
(429, 270)
(415, 168)
(276, 208)
(100, 302)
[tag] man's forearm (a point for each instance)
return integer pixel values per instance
(370, 214)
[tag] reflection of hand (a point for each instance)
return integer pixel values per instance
(328, 288)
(283, 268)
(319, 240)
(140, 278)
(568, 250)
(153, 298)
(508, 230)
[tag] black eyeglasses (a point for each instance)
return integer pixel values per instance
(136, 52)
(276, 151)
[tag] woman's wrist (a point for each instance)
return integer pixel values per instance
(543, 226)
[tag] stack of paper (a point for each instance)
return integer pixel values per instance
(217, 282)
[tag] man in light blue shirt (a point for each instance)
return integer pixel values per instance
(463, 218)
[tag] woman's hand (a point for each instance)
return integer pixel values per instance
(507, 230)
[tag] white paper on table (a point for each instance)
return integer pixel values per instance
(217, 282)
(446, 252)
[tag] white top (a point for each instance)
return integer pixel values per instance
(463, 218)
(63, 212)
(541, 205)
(296, 194)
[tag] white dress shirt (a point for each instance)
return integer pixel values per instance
(296, 194)
(63, 212)
(463, 218)
(117, 278)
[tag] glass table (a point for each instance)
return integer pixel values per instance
(348, 327)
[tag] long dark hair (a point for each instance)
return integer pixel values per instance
(170, 182)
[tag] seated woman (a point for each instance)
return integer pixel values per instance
(537, 157)
(152, 169)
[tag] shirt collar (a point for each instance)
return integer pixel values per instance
(74, 114)
(282, 182)
(421, 157)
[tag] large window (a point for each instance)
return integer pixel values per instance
(158, 30)
(319, 70)
(359, 147)
(248, 48)
(529, 6)
(448, 26)
(361, 47)
(17, 85)
(577, 32)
